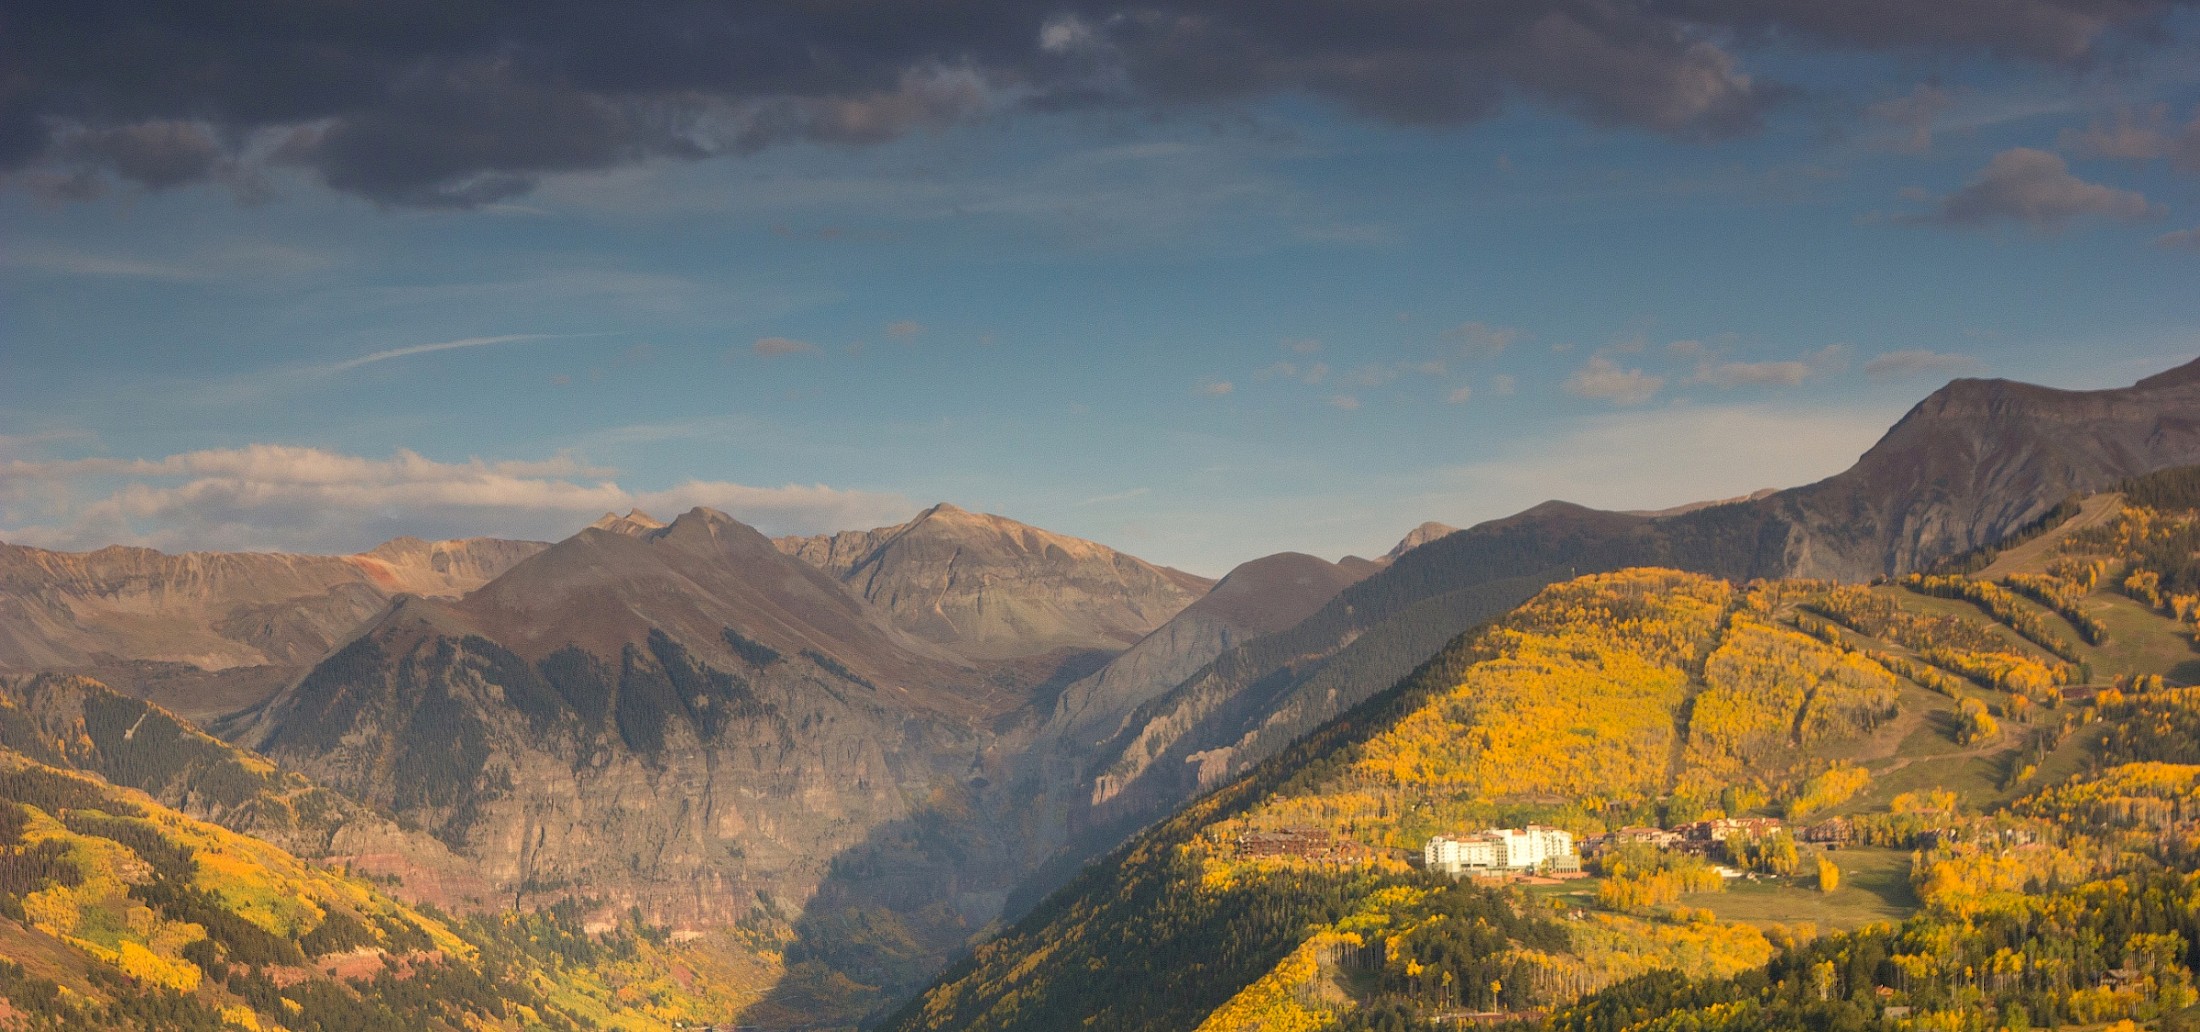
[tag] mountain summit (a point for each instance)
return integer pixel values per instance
(989, 587)
(1974, 461)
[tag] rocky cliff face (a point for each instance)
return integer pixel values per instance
(991, 588)
(649, 777)
(216, 610)
(1417, 537)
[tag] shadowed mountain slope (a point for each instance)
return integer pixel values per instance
(1260, 597)
(1976, 460)
(606, 590)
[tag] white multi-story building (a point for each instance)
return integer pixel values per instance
(1503, 850)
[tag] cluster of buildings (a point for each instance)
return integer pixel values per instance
(1535, 849)
(1300, 844)
(1696, 837)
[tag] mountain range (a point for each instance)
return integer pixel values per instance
(869, 748)
(210, 631)
(1973, 462)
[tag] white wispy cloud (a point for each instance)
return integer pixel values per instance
(311, 499)
(1920, 362)
(1119, 496)
(1654, 458)
(1603, 379)
(449, 345)
(1829, 360)
(77, 263)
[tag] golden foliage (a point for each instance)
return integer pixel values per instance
(1287, 998)
(1576, 700)
(1977, 725)
(1769, 689)
(1830, 788)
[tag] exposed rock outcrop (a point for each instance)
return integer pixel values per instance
(1417, 537)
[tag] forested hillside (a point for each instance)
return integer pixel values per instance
(79, 724)
(119, 913)
(1972, 803)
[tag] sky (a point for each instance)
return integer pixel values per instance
(1203, 280)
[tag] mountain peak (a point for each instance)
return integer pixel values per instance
(634, 524)
(702, 514)
(1419, 536)
(994, 588)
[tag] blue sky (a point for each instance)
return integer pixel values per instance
(1201, 332)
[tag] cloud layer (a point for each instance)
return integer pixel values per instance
(1603, 379)
(2035, 188)
(1653, 458)
(1895, 365)
(307, 499)
(428, 103)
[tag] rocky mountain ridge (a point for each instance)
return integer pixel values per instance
(217, 610)
(992, 588)
(540, 725)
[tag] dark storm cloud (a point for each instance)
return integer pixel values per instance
(2061, 31)
(154, 154)
(435, 103)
